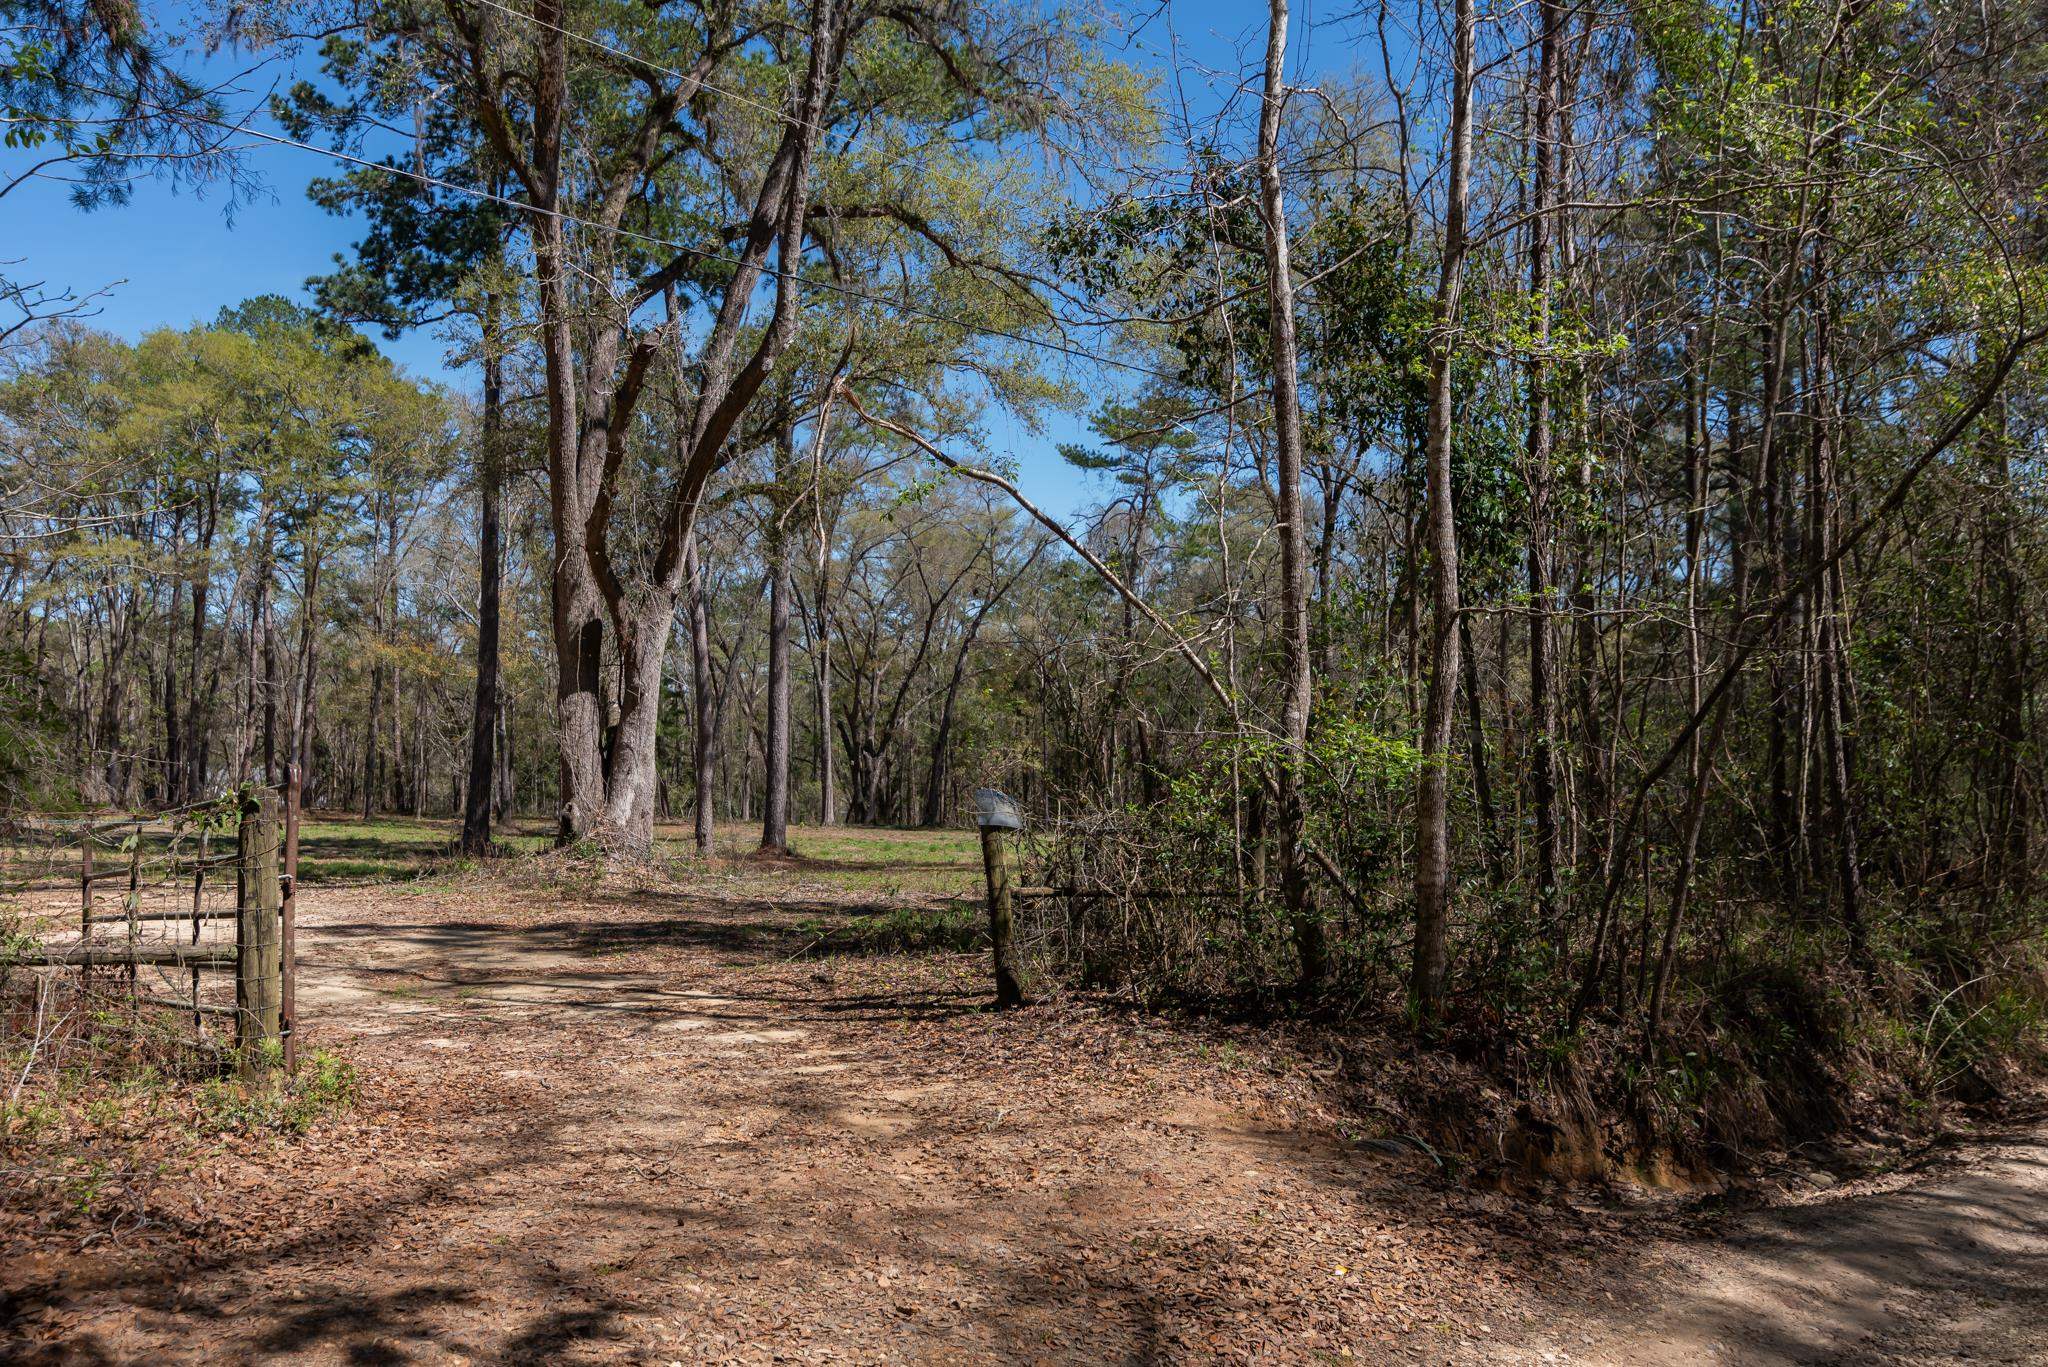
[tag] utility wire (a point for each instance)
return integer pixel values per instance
(702, 253)
(648, 62)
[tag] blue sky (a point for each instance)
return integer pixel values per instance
(174, 258)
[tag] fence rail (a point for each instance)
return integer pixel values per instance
(1133, 894)
(99, 954)
(262, 955)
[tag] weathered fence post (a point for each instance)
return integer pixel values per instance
(996, 814)
(258, 895)
(288, 929)
(85, 901)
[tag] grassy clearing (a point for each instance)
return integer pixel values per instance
(879, 861)
(338, 847)
(334, 848)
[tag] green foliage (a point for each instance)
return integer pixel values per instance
(30, 728)
(325, 1085)
(1984, 1030)
(97, 86)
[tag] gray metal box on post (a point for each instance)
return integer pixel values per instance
(994, 813)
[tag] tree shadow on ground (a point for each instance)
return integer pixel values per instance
(608, 968)
(707, 1271)
(1952, 1270)
(631, 1212)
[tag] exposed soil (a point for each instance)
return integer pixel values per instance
(1946, 1262)
(652, 1125)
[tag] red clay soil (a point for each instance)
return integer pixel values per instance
(642, 1125)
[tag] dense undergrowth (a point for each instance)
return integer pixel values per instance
(1775, 1032)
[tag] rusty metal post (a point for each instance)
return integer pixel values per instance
(258, 899)
(198, 904)
(288, 930)
(85, 901)
(131, 905)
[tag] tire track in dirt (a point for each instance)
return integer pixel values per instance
(645, 1125)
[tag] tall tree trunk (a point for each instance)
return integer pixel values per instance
(776, 730)
(1542, 707)
(506, 799)
(942, 741)
(484, 712)
(1297, 680)
(1332, 483)
(1771, 485)
(252, 665)
(775, 741)
(1688, 853)
(2010, 856)
(174, 751)
(1432, 801)
(942, 734)
(1482, 781)
(704, 750)
(577, 610)
(197, 717)
(631, 786)
(305, 702)
(1699, 757)
(372, 778)
(644, 615)
(271, 683)
(821, 685)
(1829, 609)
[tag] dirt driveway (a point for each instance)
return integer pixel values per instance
(1949, 1266)
(653, 1125)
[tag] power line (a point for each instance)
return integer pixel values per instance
(701, 253)
(647, 62)
(627, 54)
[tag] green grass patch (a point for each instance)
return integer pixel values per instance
(324, 1085)
(341, 847)
(943, 927)
(885, 861)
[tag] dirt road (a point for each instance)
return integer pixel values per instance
(645, 1125)
(1925, 1268)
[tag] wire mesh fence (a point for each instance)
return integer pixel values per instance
(154, 939)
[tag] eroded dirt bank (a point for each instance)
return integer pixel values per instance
(1944, 1264)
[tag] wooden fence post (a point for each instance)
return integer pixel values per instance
(258, 895)
(996, 814)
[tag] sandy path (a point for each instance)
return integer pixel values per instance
(1943, 1267)
(641, 1126)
